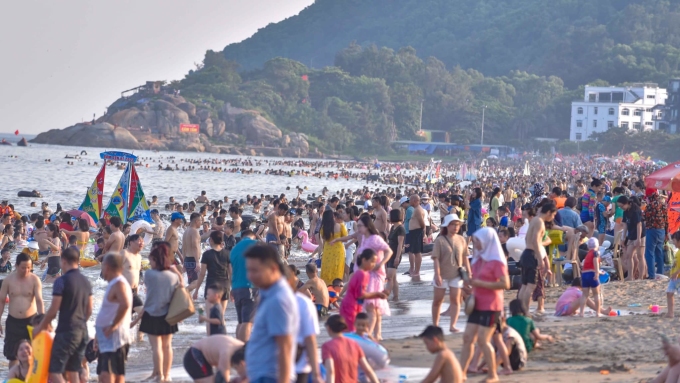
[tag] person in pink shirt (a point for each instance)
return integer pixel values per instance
(352, 302)
(342, 357)
(375, 307)
(488, 280)
(569, 301)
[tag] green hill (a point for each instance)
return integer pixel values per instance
(576, 40)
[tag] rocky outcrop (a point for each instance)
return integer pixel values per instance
(159, 115)
(102, 135)
(207, 127)
(22, 142)
(189, 108)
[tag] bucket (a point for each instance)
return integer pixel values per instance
(604, 277)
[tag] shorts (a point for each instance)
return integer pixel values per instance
(392, 261)
(601, 227)
(529, 266)
(152, 325)
(589, 280)
(190, 268)
(673, 287)
(68, 351)
(53, 266)
(415, 241)
(539, 291)
(136, 300)
(226, 286)
(15, 331)
(322, 311)
(485, 318)
(113, 362)
(42, 253)
(455, 283)
(196, 365)
(244, 300)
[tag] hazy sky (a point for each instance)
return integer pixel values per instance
(65, 60)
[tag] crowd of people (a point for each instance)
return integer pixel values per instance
(360, 237)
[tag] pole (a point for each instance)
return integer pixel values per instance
(483, 109)
(420, 125)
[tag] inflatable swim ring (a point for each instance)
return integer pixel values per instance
(42, 350)
(516, 246)
(31, 194)
(141, 226)
(375, 353)
(88, 262)
(306, 245)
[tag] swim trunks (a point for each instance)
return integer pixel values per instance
(322, 311)
(113, 362)
(15, 331)
(529, 266)
(415, 241)
(53, 266)
(196, 365)
(190, 268)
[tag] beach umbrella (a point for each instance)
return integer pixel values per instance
(78, 214)
(666, 178)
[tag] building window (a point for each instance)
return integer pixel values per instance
(651, 96)
(625, 112)
(592, 97)
(636, 125)
(578, 136)
(624, 125)
(594, 123)
(660, 114)
(579, 124)
(595, 110)
(611, 111)
(649, 123)
(649, 110)
(638, 112)
(610, 124)
(579, 110)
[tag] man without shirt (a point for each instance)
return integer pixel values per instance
(172, 237)
(276, 221)
(532, 258)
(116, 240)
(213, 351)
(380, 221)
(446, 367)
(132, 266)
(191, 247)
(316, 288)
(416, 232)
(25, 301)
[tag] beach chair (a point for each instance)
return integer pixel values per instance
(617, 255)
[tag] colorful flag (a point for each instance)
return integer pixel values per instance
(118, 203)
(92, 204)
(138, 206)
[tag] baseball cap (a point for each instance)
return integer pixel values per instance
(403, 200)
(177, 215)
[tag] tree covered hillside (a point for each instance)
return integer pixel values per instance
(373, 96)
(576, 40)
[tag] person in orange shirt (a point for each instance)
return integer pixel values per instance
(556, 195)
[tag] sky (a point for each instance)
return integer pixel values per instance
(65, 60)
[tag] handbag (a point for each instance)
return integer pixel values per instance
(469, 304)
(181, 306)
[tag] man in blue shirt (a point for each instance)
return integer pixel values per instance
(569, 218)
(271, 349)
(242, 290)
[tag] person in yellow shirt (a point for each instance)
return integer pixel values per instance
(673, 282)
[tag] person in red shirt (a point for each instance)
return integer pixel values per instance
(342, 357)
(590, 276)
(489, 278)
(353, 300)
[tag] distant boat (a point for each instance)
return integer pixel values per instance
(4, 142)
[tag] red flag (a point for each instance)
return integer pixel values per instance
(16, 132)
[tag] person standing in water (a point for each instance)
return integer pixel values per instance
(191, 247)
(116, 241)
(24, 290)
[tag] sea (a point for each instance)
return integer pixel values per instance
(63, 180)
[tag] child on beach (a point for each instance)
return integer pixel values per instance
(525, 326)
(570, 301)
(335, 293)
(343, 357)
(316, 289)
(590, 276)
(446, 367)
(238, 363)
(361, 324)
(215, 320)
(673, 282)
(352, 303)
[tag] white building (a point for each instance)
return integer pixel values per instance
(604, 107)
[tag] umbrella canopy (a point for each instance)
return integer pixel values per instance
(79, 214)
(666, 178)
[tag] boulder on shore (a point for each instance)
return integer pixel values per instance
(22, 142)
(97, 135)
